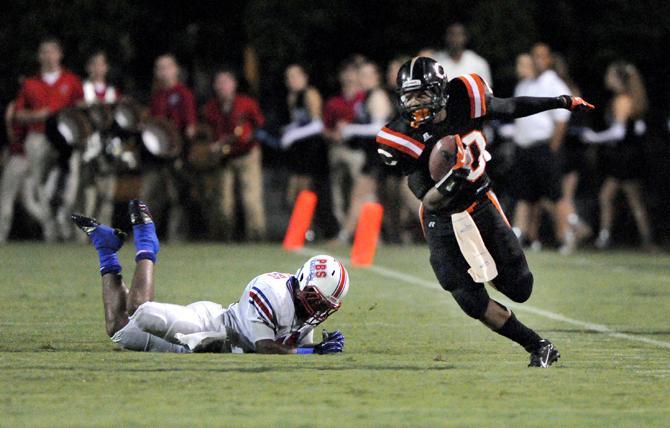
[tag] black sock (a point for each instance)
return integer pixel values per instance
(513, 329)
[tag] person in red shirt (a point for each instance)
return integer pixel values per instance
(164, 184)
(234, 118)
(40, 96)
(345, 160)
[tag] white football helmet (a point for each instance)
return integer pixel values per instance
(323, 283)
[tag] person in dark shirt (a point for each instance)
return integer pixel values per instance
(469, 237)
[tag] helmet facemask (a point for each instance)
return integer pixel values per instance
(317, 306)
(425, 111)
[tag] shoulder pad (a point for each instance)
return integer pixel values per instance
(475, 89)
(400, 136)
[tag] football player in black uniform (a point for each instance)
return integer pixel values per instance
(464, 257)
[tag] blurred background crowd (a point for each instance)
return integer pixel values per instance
(218, 115)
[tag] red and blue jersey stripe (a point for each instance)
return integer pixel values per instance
(262, 304)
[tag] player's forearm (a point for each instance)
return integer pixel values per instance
(434, 200)
(271, 347)
(513, 108)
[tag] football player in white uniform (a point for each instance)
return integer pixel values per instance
(276, 313)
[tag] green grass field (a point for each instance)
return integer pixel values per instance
(411, 357)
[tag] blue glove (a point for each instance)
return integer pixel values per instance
(331, 344)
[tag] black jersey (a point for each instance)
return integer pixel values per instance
(466, 110)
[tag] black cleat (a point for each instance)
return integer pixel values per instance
(139, 212)
(97, 231)
(87, 224)
(545, 356)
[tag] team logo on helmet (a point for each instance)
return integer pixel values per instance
(323, 283)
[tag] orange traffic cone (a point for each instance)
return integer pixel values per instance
(367, 234)
(301, 218)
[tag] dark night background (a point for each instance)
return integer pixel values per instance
(320, 34)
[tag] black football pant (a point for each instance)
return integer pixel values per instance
(514, 279)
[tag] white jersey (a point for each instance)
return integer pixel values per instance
(266, 311)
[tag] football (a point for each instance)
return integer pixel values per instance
(442, 157)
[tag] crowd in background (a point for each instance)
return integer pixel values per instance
(201, 169)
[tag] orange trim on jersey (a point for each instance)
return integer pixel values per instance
(471, 95)
(471, 208)
(494, 200)
(394, 145)
(404, 137)
(482, 91)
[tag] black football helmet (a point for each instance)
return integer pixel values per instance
(422, 74)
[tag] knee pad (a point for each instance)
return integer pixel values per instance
(473, 301)
(523, 287)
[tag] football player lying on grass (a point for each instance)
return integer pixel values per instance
(276, 314)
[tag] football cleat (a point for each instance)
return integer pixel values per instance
(139, 212)
(102, 236)
(545, 356)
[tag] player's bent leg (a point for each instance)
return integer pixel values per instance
(166, 320)
(514, 278)
(472, 299)
(133, 338)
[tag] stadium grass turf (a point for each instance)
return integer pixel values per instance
(411, 357)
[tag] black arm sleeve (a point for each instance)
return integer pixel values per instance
(512, 108)
(420, 183)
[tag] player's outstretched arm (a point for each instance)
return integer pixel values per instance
(332, 343)
(512, 108)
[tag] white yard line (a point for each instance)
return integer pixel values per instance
(410, 279)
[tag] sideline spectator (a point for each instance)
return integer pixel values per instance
(346, 162)
(307, 152)
(164, 185)
(302, 138)
(234, 118)
(375, 110)
(14, 172)
(573, 159)
(539, 138)
(40, 96)
(456, 59)
(621, 156)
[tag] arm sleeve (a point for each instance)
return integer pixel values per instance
(512, 108)
(420, 183)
